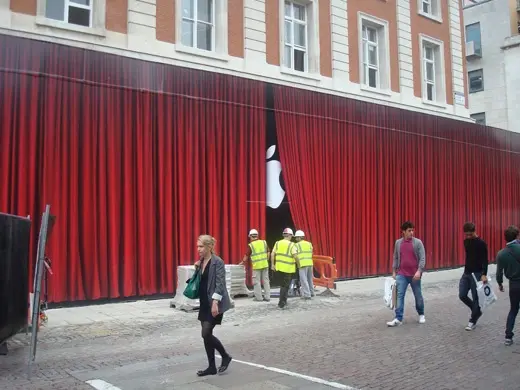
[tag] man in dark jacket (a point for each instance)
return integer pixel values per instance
(475, 268)
(508, 264)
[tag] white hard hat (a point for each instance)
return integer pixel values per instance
(299, 233)
(253, 232)
(288, 231)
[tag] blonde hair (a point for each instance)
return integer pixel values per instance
(208, 241)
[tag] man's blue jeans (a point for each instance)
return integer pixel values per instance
(402, 283)
(467, 284)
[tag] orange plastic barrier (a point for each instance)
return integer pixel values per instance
(326, 268)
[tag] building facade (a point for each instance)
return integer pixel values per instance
(493, 53)
(146, 123)
(405, 53)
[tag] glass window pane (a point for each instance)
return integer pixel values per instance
(55, 9)
(430, 72)
(287, 53)
(299, 60)
(426, 7)
(365, 52)
(288, 9)
(473, 35)
(188, 9)
(187, 33)
(372, 78)
(480, 118)
(205, 11)
(79, 16)
(82, 2)
(299, 35)
(372, 35)
(429, 91)
(288, 32)
(476, 81)
(372, 55)
(299, 12)
(365, 32)
(428, 52)
(204, 36)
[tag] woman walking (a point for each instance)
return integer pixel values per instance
(214, 301)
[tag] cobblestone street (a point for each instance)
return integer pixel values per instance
(342, 340)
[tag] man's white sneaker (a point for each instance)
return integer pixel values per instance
(422, 320)
(394, 322)
(471, 326)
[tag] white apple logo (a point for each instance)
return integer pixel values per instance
(275, 192)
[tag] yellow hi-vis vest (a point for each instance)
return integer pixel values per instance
(259, 254)
(304, 253)
(284, 260)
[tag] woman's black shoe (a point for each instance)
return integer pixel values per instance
(225, 364)
(207, 371)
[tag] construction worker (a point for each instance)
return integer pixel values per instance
(306, 267)
(284, 260)
(258, 253)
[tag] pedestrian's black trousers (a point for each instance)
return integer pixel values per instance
(514, 299)
(285, 282)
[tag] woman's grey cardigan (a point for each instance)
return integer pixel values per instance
(217, 289)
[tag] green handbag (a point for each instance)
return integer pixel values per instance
(192, 289)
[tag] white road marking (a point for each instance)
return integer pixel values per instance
(335, 385)
(101, 385)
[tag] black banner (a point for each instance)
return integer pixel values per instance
(14, 274)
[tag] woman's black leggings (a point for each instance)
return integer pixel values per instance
(211, 343)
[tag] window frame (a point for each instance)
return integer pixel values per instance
(313, 41)
(195, 21)
(220, 33)
(440, 92)
(476, 114)
(474, 42)
(367, 66)
(381, 26)
(291, 19)
(435, 12)
(67, 4)
(97, 18)
(481, 70)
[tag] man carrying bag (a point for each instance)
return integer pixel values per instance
(508, 264)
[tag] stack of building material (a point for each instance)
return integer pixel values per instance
(237, 285)
(184, 273)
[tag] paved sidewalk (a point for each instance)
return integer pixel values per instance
(147, 345)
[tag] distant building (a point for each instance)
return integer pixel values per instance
(493, 58)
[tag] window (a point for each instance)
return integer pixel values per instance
(370, 57)
(476, 80)
(430, 9)
(374, 49)
(429, 71)
(78, 12)
(432, 70)
(480, 118)
(198, 23)
(473, 35)
(295, 37)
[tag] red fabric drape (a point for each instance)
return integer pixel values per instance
(136, 160)
(355, 171)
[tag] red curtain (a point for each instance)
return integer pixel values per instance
(136, 160)
(355, 171)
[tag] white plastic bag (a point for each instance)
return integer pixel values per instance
(486, 293)
(390, 295)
